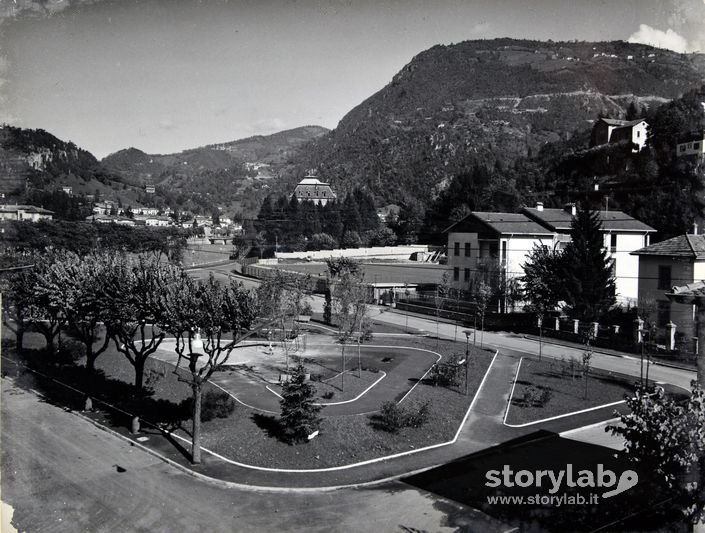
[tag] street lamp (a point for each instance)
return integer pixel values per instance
(540, 321)
(467, 359)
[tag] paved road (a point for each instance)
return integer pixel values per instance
(512, 344)
(62, 474)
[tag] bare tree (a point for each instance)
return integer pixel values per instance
(220, 314)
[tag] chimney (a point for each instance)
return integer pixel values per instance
(695, 228)
(539, 206)
(571, 208)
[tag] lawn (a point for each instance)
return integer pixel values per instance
(376, 272)
(551, 388)
(251, 436)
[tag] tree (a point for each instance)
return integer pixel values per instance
(220, 315)
(587, 277)
(442, 290)
(351, 239)
(282, 297)
(542, 287)
(44, 313)
(133, 307)
(321, 241)
(349, 301)
(76, 285)
(299, 414)
(483, 293)
(668, 440)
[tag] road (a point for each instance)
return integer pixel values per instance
(505, 342)
(62, 474)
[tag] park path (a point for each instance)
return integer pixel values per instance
(249, 388)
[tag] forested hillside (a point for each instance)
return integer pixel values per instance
(489, 103)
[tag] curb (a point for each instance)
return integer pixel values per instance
(221, 482)
(613, 353)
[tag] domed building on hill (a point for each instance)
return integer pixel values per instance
(312, 189)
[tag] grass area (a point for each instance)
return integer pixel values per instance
(550, 388)
(339, 389)
(380, 272)
(251, 436)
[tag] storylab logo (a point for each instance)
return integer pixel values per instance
(549, 483)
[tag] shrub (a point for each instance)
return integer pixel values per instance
(536, 397)
(216, 404)
(445, 375)
(393, 416)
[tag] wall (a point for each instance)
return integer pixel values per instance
(460, 261)
(681, 274)
(518, 250)
(639, 133)
(377, 252)
(626, 273)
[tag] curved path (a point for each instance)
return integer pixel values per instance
(405, 367)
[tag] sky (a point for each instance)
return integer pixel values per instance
(166, 75)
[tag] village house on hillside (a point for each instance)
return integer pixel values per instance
(312, 189)
(691, 145)
(611, 130)
(26, 213)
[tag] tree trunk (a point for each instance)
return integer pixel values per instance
(19, 336)
(139, 374)
(196, 433)
(49, 337)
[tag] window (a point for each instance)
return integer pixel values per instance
(696, 145)
(456, 273)
(638, 134)
(456, 248)
(613, 242)
(664, 277)
(682, 147)
(494, 250)
(467, 249)
(466, 274)
(504, 252)
(663, 314)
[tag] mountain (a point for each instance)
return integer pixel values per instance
(35, 164)
(260, 151)
(272, 149)
(489, 102)
(226, 174)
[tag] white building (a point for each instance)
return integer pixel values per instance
(492, 247)
(25, 213)
(692, 145)
(610, 130)
(622, 235)
(314, 190)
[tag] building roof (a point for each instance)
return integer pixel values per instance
(504, 223)
(26, 209)
(693, 293)
(311, 181)
(692, 246)
(691, 136)
(559, 220)
(621, 123)
(313, 189)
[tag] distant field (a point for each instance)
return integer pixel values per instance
(381, 272)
